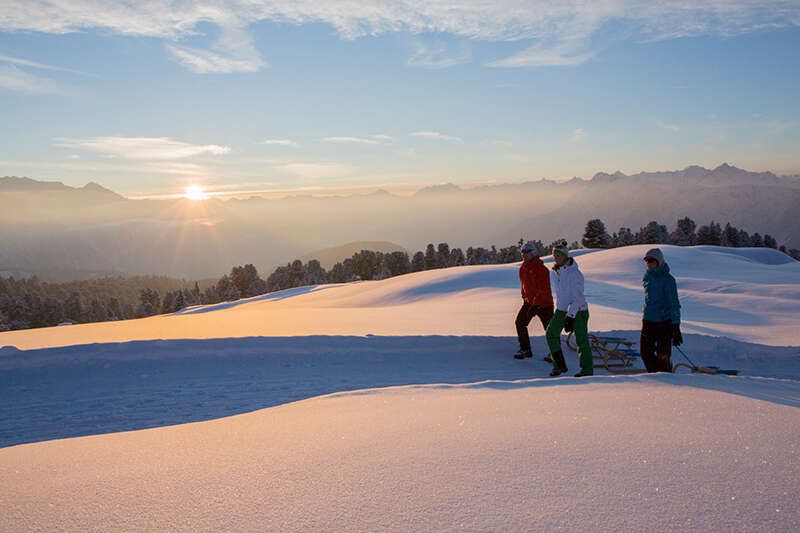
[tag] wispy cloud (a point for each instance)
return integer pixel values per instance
(318, 170)
(234, 51)
(437, 136)
(15, 75)
(671, 127)
(280, 142)
(13, 78)
(176, 168)
(551, 33)
(577, 136)
(356, 140)
(34, 64)
(438, 54)
(156, 148)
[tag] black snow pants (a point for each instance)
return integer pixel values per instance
(524, 317)
(656, 345)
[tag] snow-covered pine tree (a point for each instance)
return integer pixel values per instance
(652, 233)
(684, 233)
(595, 235)
(418, 262)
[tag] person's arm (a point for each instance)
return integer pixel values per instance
(565, 283)
(674, 311)
(674, 303)
(543, 284)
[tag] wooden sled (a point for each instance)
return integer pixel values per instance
(614, 354)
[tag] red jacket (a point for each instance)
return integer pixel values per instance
(534, 278)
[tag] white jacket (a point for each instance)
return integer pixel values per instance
(569, 289)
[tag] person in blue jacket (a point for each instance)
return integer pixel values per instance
(661, 320)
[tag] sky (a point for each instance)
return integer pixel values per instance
(150, 97)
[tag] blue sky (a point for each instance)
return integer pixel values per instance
(285, 95)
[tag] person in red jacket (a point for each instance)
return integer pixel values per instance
(537, 300)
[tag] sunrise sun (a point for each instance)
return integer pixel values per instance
(195, 192)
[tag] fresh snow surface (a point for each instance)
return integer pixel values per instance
(497, 447)
(605, 454)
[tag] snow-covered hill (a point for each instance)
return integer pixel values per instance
(748, 294)
(498, 447)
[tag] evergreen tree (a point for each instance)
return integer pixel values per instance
(595, 235)
(73, 308)
(397, 263)
(431, 261)
(624, 237)
(418, 262)
(245, 278)
(652, 233)
(730, 236)
(769, 241)
(744, 238)
(457, 257)
(756, 241)
(149, 303)
(443, 255)
(684, 233)
(710, 235)
(168, 302)
(314, 275)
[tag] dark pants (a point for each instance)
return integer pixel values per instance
(656, 345)
(524, 317)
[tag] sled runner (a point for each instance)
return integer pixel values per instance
(614, 354)
(701, 369)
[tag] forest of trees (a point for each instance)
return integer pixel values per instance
(685, 233)
(31, 303)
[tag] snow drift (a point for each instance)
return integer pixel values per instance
(748, 294)
(650, 452)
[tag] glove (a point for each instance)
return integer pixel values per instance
(677, 338)
(569, 324)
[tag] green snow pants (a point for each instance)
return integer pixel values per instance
(581, 336)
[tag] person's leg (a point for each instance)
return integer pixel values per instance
(647, 347)
(524, 317)
(554, 340)
(664, 347)
(545, 315)
(582, 339)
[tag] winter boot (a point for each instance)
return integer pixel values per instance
(547, 359)
(522, 354)
(582, 375)
(559, 365)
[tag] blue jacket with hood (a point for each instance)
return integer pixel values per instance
(661, 296)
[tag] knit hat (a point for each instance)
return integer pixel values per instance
(527, 247)
(560, 247)
(655, 253)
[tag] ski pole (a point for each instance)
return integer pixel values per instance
(686, 356)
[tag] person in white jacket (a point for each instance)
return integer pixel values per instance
(572, 313)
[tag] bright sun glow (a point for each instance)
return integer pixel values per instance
(195, 192)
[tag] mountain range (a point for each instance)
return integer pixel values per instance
(63, 232)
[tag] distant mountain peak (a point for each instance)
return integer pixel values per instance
(17, 183)
(439, 189)
(96, 187)
(604, 176)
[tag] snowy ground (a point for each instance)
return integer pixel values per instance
(605, 454)
(517, 452)
(749, 294)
